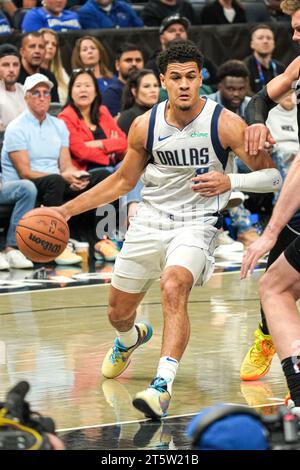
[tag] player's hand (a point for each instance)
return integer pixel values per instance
(62, 210)
(255, 251)
(211, 184)
(256, 136)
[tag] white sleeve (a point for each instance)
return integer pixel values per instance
(262, 181)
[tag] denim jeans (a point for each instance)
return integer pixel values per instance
(22, 194)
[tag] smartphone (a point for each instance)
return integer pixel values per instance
(83, 177)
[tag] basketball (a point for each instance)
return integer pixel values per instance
(42, 234)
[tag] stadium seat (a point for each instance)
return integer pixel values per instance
(18, 17)
(55, 109)
(138, 7)
(198, 7)
(256, 12)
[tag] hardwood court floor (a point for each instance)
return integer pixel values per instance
(56, 340)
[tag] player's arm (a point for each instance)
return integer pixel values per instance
(285, 208)
(265, 177)
(260, 104)
(120, 182)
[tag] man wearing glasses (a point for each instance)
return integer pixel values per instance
(36, 148)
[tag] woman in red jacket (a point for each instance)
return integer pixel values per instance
(95, 139)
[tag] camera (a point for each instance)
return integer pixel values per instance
(236, 427)
(20, 427)
(283, 429)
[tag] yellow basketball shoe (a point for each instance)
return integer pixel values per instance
(117, 358)
(258, 359)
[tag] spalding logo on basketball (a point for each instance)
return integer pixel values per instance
(42, 234)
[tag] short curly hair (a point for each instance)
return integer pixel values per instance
(232, 68)
(181, 52)
(289, 7)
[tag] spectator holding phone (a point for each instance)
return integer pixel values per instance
(36, 147)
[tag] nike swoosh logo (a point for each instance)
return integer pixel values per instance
(171, 360)
(163, 138)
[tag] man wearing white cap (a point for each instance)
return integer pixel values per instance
(36, 147)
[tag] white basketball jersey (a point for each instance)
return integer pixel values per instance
(175, 157)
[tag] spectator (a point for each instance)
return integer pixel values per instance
(51, 15)
(173, 28)
(88, 52)
(36, 147)
(95, 139)
(5, 27)
(23, 195)
(141, 92)
(155, 11)
(52, 61)
(282, 122)
(32, 55)
(262, 67)
(108, 14)
(129, 57)
(223, 12)
(233, 83)
(9, 7)
(12, 101)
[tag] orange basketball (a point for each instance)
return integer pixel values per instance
(42, 234)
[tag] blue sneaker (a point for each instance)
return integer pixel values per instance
(117, 358)
(155, 400)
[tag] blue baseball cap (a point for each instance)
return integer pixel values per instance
(233, 432)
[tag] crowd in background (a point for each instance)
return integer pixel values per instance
(64, 133)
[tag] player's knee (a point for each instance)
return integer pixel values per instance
(270, 286)
(265, 286)
(173, 286)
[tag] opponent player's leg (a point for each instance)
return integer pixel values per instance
(280, 289)
(258, 359)
(176, 283)
(121, 314)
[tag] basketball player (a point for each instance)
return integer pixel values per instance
(174, 232)
(257, 361)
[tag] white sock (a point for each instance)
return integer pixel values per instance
(128, 338)
(167, 368)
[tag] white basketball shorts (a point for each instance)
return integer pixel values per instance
(154, 242)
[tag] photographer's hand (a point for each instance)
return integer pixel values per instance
(56, 443)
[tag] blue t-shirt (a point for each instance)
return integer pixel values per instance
(112, 97)
(103, 83)
(38, 18)
(121, 15)
(42, 142)
(4, 24)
